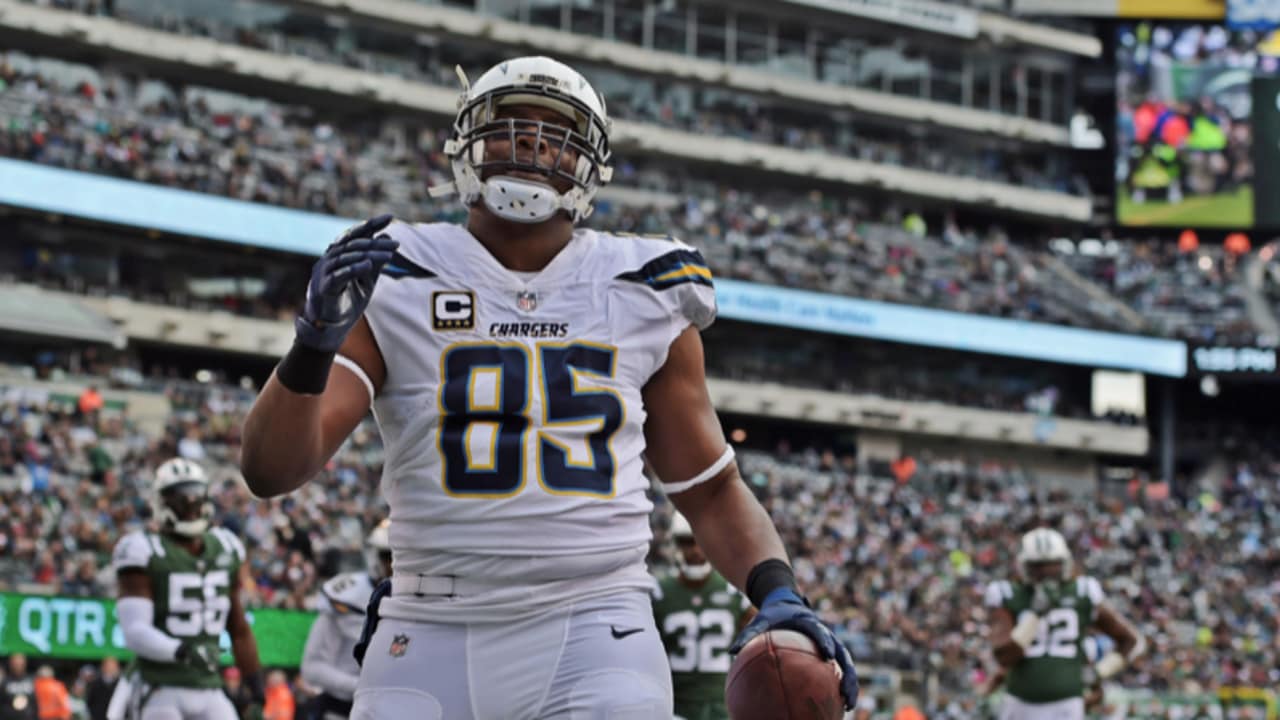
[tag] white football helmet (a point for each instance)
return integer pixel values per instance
(1044, 545)
(546, 83)
(180, 498)
(377, 550)
(682, 530)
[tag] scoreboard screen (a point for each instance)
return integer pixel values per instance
(1197, 125)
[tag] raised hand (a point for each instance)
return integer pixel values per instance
(342, 282)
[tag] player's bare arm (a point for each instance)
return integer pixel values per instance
(133, 582)
(244, 647)
(289, 436)
(993, 681)
(1130, 645)
(1007, 652)
(683, 438)
(684, 442)
(297, 422)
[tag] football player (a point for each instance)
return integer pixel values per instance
(698, 613)
(328, 662)
(179, 589)
(1038, 625)
(518, 367)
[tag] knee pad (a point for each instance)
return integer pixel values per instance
(393, 703)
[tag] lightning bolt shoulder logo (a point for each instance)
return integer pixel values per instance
(453, 310)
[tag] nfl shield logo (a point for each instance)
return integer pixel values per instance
(399, 644)
(527, 301)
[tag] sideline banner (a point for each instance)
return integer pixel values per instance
(86, 629)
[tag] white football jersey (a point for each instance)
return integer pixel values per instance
(511, 412)
(327, 659)
(345, 597)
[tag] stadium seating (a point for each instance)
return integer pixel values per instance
(877, 545)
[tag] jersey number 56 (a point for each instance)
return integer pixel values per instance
(198, 604)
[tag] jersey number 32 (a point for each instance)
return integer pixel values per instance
(702, 640)
(1058, 636)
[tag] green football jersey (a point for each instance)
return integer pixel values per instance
(697, 625)
(192, 596)
(1053, 666)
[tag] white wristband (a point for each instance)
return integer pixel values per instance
(1024, 633)
(1110, 664)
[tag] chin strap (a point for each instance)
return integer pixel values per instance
(191, 528)
(444, 189)
(696, 572)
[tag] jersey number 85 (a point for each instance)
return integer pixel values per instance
(485, 418)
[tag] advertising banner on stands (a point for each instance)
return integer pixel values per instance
(1253, 14)
(1232, 360)
(1138, 9)
(927, 15)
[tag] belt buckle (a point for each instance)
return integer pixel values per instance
(432, 579)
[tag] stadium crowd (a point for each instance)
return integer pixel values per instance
(107, 121)
(1183, 290)
(879, 546)
(204, 140)
(743, 352)
(740, 351)
(900, 572)
(661, 102)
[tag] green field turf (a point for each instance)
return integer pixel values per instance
(1231, 210)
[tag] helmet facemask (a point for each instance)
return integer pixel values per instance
(479, 176)
(1042, 548)
(695, 571)
(691, 561)
(184, 508)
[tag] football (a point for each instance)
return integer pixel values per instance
(780, 676)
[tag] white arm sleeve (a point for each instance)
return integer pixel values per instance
(136, 615)
(997, 592)
(132, 551)
(318, 659)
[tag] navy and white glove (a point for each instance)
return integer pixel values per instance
(784, 609)
(200, 655)
(382, 590)
(341, 284)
